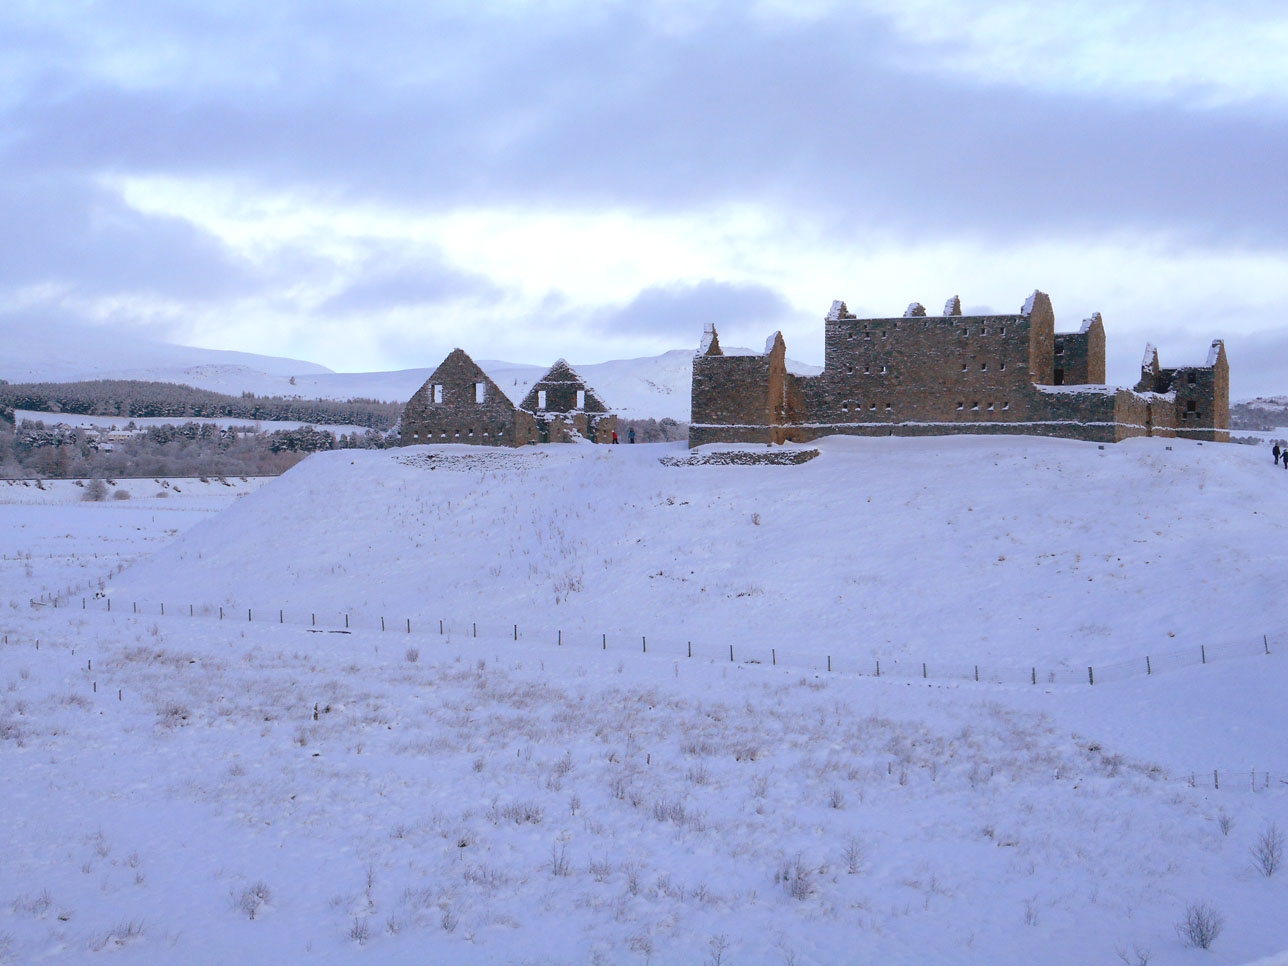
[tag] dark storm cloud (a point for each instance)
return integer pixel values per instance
(839, 124)
(838, 119)
(680, 311)
(76, 236)
(418, 283)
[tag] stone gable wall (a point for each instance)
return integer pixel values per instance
(459, 418)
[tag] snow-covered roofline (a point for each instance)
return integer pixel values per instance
(1087, 323)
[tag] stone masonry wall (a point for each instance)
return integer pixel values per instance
(459, 417)
(731, 400)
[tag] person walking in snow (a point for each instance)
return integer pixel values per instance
(614, 437)
(1276, 452)
(630, 434)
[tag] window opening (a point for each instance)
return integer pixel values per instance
(541, 399)
(581, 398)
(438, 393)
(480, 392)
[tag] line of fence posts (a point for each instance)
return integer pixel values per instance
(474, 632)
(1265, 776)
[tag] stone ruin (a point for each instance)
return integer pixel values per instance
(459, 403)
(920, 375)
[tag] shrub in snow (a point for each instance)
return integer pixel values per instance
(360, 931)
(254, 897)
(796, 878)
(1268, 852)
(121, 495)
(853, 855)
(1201, 925)
(1140, 955)
(560, 866)
(95, 491)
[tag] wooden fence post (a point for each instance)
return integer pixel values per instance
(1148, 668)
(774, 655)
(1091, 676)
(1203, 652)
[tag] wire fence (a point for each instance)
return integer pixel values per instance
(1229, 778)
(670, 645)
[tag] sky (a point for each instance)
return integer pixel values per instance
(368, 185)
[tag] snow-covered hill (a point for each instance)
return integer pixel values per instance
(68, 353)
(655, 387)
(1007, 551)
(271, 785)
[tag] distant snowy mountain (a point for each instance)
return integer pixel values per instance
(67, 353)
(653, 386)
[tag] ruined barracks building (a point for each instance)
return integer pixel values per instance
(459, 403)
(925, 375)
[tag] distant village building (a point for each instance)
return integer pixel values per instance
(920, 375)
(459, 403)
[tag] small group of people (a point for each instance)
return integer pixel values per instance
(1281, 452)
(630, 434)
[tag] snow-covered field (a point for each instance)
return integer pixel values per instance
(188, 789)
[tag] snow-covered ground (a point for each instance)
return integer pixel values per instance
(189, 789)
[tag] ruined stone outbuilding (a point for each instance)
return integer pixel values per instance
(918, 375)
(563, 405)
(459, 403)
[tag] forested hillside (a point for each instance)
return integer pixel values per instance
(129, 398)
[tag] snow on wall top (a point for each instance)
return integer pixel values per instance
(837, 312)
(769, 343)
(1027, 308)
(953, 306)
(1214, 351)
(1151, 356)
(1089, 322)
(915, 310)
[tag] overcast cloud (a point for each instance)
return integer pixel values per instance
(346, 184)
